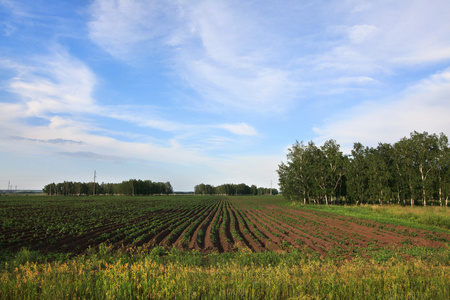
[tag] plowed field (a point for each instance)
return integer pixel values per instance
(203, 223)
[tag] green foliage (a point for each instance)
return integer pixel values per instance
(233, 189)
(130, 187)
(413, 170)
(192, 275)
(25, 255)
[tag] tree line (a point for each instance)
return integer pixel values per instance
(232, 189)
(414, 170)
(130, 187)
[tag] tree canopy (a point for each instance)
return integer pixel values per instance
(233, 189)
(415, 169)
(130, 187)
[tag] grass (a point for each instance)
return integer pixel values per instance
(174, 274)
(432, 218)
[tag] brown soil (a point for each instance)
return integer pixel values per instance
(241, 225)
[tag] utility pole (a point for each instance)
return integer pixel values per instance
(94, 181)
(271, 188)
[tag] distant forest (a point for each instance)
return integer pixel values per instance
(131, 187)
(232, 189)
(414, 170)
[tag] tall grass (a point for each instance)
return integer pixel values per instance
(430, 215)
(190, 275)
(429, 218)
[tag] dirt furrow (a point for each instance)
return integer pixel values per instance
(370, 232)
(256, 243)
(198, 238)
(209, 245)
(289, 235)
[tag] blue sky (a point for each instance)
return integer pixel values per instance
(210, 91)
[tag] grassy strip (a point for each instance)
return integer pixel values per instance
(190, 275)
(435, 219)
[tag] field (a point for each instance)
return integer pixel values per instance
(219, 246)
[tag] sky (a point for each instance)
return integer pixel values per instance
(210, 92)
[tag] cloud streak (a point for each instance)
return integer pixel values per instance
(239, 129)
(51, 141)
(92, 156)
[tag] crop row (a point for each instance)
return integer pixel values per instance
(203, 223)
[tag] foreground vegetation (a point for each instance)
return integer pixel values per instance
(106, 274)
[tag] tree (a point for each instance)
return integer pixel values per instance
(442, 169)
(405, 164)
(312, 172)
(357, 173)
(387, 170)
(333, 168)
(415, 168)
(299, 178)
(292, 177)
(253, 190)
(425, 151)
(50, 189)
(377, 160)
(314, 168)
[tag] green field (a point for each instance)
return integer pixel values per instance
(214, 247)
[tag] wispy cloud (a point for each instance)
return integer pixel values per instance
(142, 115)
(395, 35)
(92, 156)
(422, 107)
(239, 129)
(51, 141)
(57, 83)
(215, 48)
(127, 29)
(57, 89)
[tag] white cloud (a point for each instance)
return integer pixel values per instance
(57, 83)
(406, 32)
(218, 49)
(360, 33)
(142, 115)
(233, 64)
(126, 28)
(58, 89)
(422, 107)
(256, 169)
(239, 129)
(229, 56)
